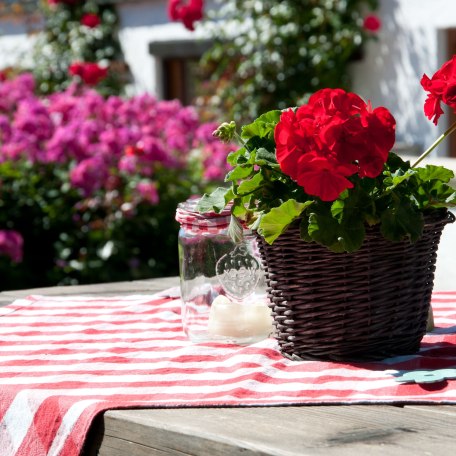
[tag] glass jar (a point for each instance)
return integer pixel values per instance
(222, 282)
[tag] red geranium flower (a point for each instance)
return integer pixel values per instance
(441, 88)
(187, 13)
(331, 138)
(91, 73)
(90, 20)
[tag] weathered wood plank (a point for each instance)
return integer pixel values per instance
(148, 286)
(280, 431)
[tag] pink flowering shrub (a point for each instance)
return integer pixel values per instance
(91, 183)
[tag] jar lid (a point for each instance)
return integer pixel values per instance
(207, 222)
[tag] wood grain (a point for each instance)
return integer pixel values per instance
(284, 431)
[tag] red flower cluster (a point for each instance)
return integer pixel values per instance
(187, 13)
(90, 20)
(372, 23)
(91, 73)
(335, 135)
(441, 88)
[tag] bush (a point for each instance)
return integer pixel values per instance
(91, 184)
(79, 40)
(269, 54)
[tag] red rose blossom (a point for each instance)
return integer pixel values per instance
(91, 73)
(372, 23)
(186, 12)
(441, 88)
(334, 136)
(90, 20)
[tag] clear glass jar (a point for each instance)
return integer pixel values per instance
(222, 282)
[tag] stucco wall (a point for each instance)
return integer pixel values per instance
(411, 42)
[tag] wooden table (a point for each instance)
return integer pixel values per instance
(286, 431)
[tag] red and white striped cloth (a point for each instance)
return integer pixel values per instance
(65, 359)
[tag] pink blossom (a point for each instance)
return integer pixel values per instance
(89, 175)
(148, 191)
(11, 244)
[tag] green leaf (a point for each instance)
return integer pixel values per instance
(347, 236)
(351, 236)
(232, 158)
(240, 172)
(431, 172)
(249, 186)
(265, 157)
(235, 230)
(215, 201)
(277, 220)
(263, 126)
(398, 177)
(451, 200)
(401, 221)
(304, 229)
(323, 228)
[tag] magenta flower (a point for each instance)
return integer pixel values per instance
(89, 175)
(148, 191)
(11, 245)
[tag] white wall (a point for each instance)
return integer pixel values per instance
(136, 33)
(410, 43)
(15, 44)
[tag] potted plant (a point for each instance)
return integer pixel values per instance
(348, 231)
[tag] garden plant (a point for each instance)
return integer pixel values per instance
(89, 185)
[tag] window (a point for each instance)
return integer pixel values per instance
(179, 64)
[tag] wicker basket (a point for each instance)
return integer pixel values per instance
(371, 304)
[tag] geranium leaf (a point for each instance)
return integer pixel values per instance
(232, 158)
(451, 199)
(323, 228)
(265, 157)
(215, 201)
(304, 229)
(249, 186)
(431, 172)
(398, 178)
(262, 127)
(276, 221)
(351, 235)
(402, 221)
(240, 172)
(235, 230)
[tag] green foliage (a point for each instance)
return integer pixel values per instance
(106, 237)
(269, 201)
(64, 41)
(269, 54)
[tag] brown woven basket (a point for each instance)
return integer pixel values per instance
(371, 304)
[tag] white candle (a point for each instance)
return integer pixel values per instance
(232, 319)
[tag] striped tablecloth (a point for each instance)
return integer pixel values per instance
(65, 359)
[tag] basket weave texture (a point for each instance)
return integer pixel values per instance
(366, 305)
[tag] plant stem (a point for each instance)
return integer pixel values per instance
(435, 144)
